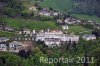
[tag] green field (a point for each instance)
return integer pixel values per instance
(6, 34)
(30, 24)
(77, 28)
(87, 17)
(60, 5)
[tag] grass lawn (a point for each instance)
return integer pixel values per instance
(6, 34)
(30, 24)
(97, 19)
(77, 28)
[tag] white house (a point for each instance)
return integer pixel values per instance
(65, 27)
(3, 39)
(60, 21)
(69, 21)
(25, 32)
(78, 21)
(15, 46)
(34, 32)
(50, 42)
(55, 13)
(71, 38)
(3, 46)
(9, 29)
(45, 12)
(89, 37)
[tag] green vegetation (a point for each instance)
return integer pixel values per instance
(77, 28)
(84, 49)
(87, 17)
(57, 5)
(6, 34)
(29, 23)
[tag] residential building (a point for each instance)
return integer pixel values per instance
(70, 21)
(60, 22)
(65, 27)
(55, 37)
(51, 42)
(8, 29)
(3, 46)
(3, 39)
(55, 13)
(25, 32)
(45, 12)
(89, 37)
(15, 46)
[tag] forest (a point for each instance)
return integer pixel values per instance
(90, 7)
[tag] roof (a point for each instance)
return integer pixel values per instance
(86, 36)
(52, 39)
(16, 42)
(4, 38)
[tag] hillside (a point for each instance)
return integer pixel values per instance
(89, 7)
(61, 5)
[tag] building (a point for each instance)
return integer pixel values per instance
(9, 29)
(25, 32)
(3, 46)
(51, 42)
(89, 37)
(3, 39)
(55, 13)
(15, 46)
(55, 37)
(45, 12)
(65, 27)
(70, 21)
(72, 38)
(60, 22)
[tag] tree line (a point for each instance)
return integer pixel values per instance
(90, 7)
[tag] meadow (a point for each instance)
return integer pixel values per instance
(59, 5)
(76, 29)
(19, 23)
(87, 17)
(6, 34)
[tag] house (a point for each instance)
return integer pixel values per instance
(72, 38)
(25, 32)
(78, 21)
(48, 34)
(89, 37)
(34, 32)
(70, 21)
(55, 13)
(15, 46)
(3, 39)
(3, 46)
(8, 29)
(45, 12)
(51, 42)
(65, 27)
(89, 21)
(60, 22)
